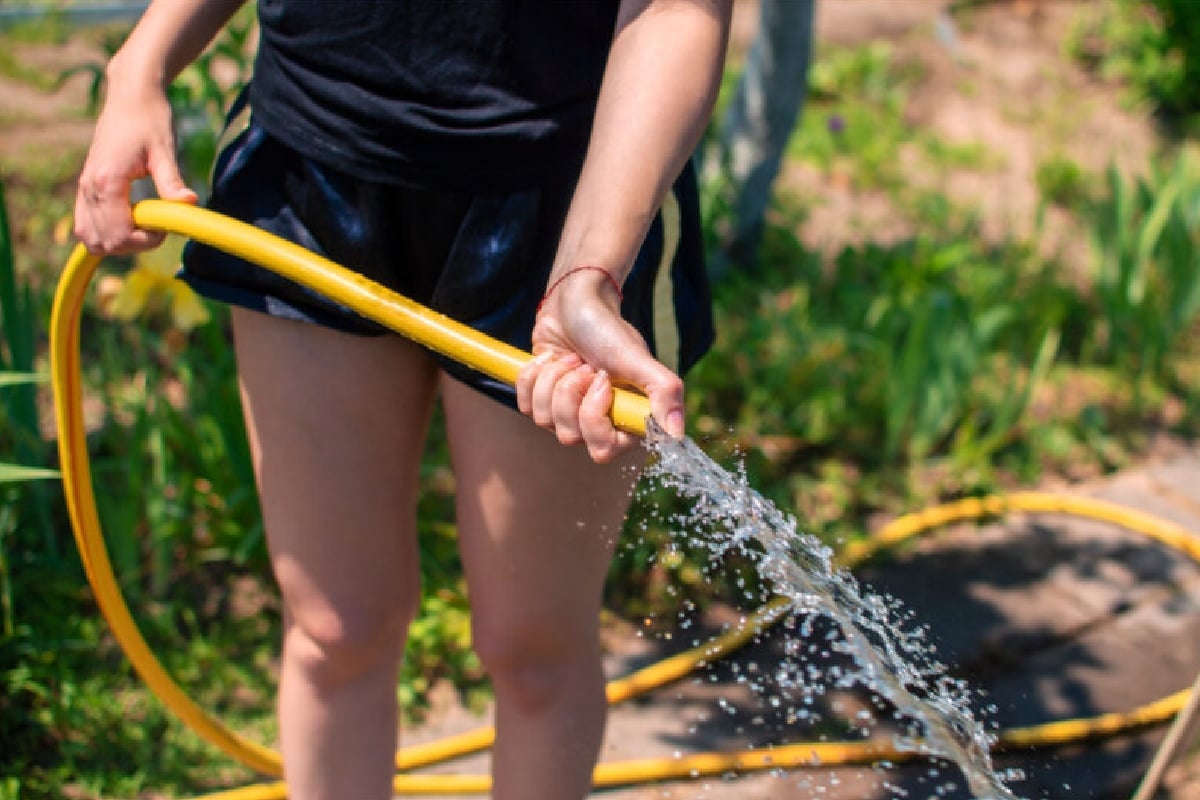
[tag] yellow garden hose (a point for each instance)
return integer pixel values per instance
(502, 362)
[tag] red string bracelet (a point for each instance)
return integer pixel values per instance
(612, 281)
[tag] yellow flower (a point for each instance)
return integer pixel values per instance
(64, 229)
(151, 284)
(186, 309)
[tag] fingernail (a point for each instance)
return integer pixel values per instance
(599, 383)
(675, 424)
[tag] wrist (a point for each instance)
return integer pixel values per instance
(126, 74)
(582, 283)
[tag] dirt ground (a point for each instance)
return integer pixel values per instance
(47, 126)
(996, 77)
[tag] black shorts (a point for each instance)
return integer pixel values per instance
(479, 258)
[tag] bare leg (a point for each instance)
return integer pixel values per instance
(537, 526)
(336, 425)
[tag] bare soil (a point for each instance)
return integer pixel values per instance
(995, 76)
(47, 124)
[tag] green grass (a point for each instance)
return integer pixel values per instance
(74, 714)
(854, 129)
(1152, 47)
(1062, 182)
(12, 67)
(41, 167)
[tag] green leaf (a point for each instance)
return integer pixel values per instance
(21, 378)
(15, 473)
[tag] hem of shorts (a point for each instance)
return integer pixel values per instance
(489, 387)
(704, 349)
(231, 295)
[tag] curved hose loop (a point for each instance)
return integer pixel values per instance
(503, 362)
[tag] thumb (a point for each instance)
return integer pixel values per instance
(169, 184)
(664, 389)
(666, 404)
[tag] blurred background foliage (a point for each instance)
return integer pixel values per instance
(1151, 46)
(851, 385)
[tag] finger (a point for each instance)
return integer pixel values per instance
(115, 230)
(662, 386)
(666, 404)
(104, 219)
(604, 442)
(543, 389)
(527, 378)
(169, 184)
(568, 394)
(85, 231)
(103, 228)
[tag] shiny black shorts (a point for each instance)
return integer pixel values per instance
(479, 258)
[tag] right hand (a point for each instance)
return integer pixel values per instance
(582, 349)
(133, 139)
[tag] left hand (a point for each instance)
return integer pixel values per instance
(582, 348)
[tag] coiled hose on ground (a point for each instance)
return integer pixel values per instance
(629, 412)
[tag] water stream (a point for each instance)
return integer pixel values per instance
(889, 657)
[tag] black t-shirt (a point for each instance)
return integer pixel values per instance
(446, 94)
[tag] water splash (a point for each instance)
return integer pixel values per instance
(889, 658)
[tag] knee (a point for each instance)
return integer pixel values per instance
(533, 664)
(336, 643)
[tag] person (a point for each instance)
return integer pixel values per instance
(521, 166)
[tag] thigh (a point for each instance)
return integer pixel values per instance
(336, 424)
(538, 522)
